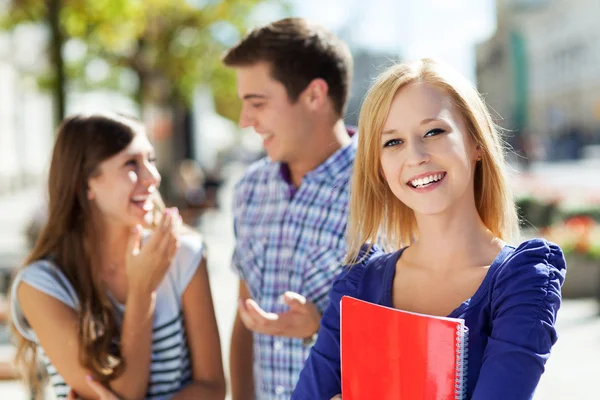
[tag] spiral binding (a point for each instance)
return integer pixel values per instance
(462, 354)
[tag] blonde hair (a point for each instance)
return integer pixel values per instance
(376, 215)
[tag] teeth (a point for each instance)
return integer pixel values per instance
(140, 198)
(427, 180)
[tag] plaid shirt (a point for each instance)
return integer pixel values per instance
(289, 239)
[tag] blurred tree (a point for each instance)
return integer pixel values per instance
(157, 51)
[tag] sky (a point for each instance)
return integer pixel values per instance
(445, 29)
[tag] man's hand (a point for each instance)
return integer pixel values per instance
(102, 392)
(300, 321)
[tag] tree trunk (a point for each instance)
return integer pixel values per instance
(56, 45)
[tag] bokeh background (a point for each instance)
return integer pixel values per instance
(537, 63)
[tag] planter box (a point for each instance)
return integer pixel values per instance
(583, 277)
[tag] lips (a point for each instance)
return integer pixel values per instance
(143, 201)
(426, 179)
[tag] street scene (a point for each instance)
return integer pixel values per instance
(205, 124)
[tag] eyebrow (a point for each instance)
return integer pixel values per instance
(424, 122)
(253, 96)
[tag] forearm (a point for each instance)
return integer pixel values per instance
(136, 347)
(201, 390)
(241, 363)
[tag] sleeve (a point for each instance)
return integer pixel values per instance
(47, 278)
(321, 376)
(524, 303)
(190, 254)
(323, 267)
(238, 203)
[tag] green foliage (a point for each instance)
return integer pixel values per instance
(170, 45)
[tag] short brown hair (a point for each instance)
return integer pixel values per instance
(298, 53)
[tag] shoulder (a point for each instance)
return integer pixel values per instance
(536, 267)
(46, 277)
(188, 258)
(257, 172)
(536, 256)
(357, 279)
(190, 243)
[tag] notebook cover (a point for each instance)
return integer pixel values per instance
(393, 354)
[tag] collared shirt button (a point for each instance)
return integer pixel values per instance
(279, 390)
(278, 345)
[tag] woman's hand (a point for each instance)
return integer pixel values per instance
(147, 264)
(102, 392)
(336, 397)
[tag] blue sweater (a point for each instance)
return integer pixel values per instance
(510, 318)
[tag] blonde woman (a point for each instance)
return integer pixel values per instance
(429, 179)
(114, 289)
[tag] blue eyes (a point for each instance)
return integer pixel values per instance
(434, 132)
(392, 142)
(430, 133)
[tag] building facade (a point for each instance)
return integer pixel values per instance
(540, 69)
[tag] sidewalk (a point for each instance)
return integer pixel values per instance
(216, 226)
(571, 372)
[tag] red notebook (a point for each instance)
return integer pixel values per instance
(394, 354)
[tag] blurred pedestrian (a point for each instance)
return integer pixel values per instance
(290, 209)
(115, 286)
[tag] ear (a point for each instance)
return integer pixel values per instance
(478, 153)
(315, 94)
(90, 192)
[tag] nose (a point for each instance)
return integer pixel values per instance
(149, 175)
(418, 154)
(247, 118)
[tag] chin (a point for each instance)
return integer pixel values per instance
(274, 157)
(426, 208)
(428, 211)
(145, 220)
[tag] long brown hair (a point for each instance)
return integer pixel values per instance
(376, 215)
(71, 235)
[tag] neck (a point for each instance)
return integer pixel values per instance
(459, 238)
(328, 140)
(113, 248)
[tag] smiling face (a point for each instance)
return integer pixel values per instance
(124, 186)
(283, 126)
(427, 156)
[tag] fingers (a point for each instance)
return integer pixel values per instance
(164, 240)
(102, 392)
(294, 300)
(135, 238)
(258, 320)
(258, 313)
(337, 397)
(245, 316)
(168, 234)
(72, 395)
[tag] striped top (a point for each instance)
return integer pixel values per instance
(171, 368)
(289, 239)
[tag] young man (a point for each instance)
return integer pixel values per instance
(290, 209)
